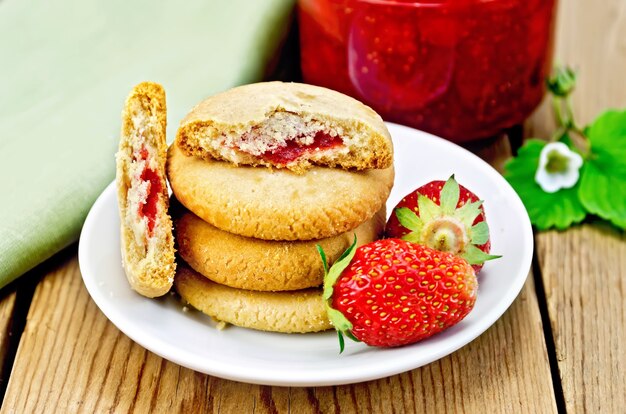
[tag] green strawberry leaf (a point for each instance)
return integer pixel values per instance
(604, 194)
(341, 324)
(480, 233)
(566, 139)
(323, 256)
(342, 342)
(603, 179)
(349, 251)
(330, 278)
(409, 219)
(449, 196)
(350, 335)
(475, 256)
(608, 131)
(339, 321)
(560, 209)
(413, 237)
(468, 212)
(428, 209)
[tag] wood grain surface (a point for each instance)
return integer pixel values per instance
(583, 272)
(7, 307)
(583, 269)
(72, 359)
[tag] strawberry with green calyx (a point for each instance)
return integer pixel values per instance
(444, 216)
(392, 292)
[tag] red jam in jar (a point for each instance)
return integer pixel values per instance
(461, 69)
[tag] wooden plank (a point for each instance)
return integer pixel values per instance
(583, 272)
(583, 268)
(7, 309)
(72, 359)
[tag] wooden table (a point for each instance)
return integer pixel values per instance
(560, 347)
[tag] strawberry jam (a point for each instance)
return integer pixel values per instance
(293, 150)
(149, 208)
(462, 69)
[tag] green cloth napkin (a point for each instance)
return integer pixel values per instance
(65, 70)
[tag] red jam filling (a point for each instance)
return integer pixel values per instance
(155, 188)
(293, 150)
(149, 208)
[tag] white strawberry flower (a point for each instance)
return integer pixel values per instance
(559, 167)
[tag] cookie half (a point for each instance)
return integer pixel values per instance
(274, 204)
(290, 125)
(289, 312)
(146, 228)
(254, 264)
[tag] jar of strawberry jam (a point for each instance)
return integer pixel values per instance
(461, 69)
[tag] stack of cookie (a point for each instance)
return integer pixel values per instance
(265, 172)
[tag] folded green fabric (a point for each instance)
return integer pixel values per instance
(66, 70)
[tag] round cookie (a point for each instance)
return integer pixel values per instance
(255, 264)
(274, 204)
(254, 124)
(289, 312)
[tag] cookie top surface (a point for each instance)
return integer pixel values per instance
(277, 204)
(254, 264)
(250, 104)
(288, 312)
(252, 124)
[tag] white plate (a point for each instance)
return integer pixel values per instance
(190, 338)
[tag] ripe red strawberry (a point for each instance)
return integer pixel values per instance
(392, 292)
(445, 216)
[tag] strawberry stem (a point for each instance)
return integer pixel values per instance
(446, 234)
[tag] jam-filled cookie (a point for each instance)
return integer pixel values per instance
(286, 125)
(146, 228)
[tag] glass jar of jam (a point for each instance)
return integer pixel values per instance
(461, 69)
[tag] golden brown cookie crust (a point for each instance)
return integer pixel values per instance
(254, 264)
(277, 204)
(147, 256)
(288, 312)
(215, 127)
